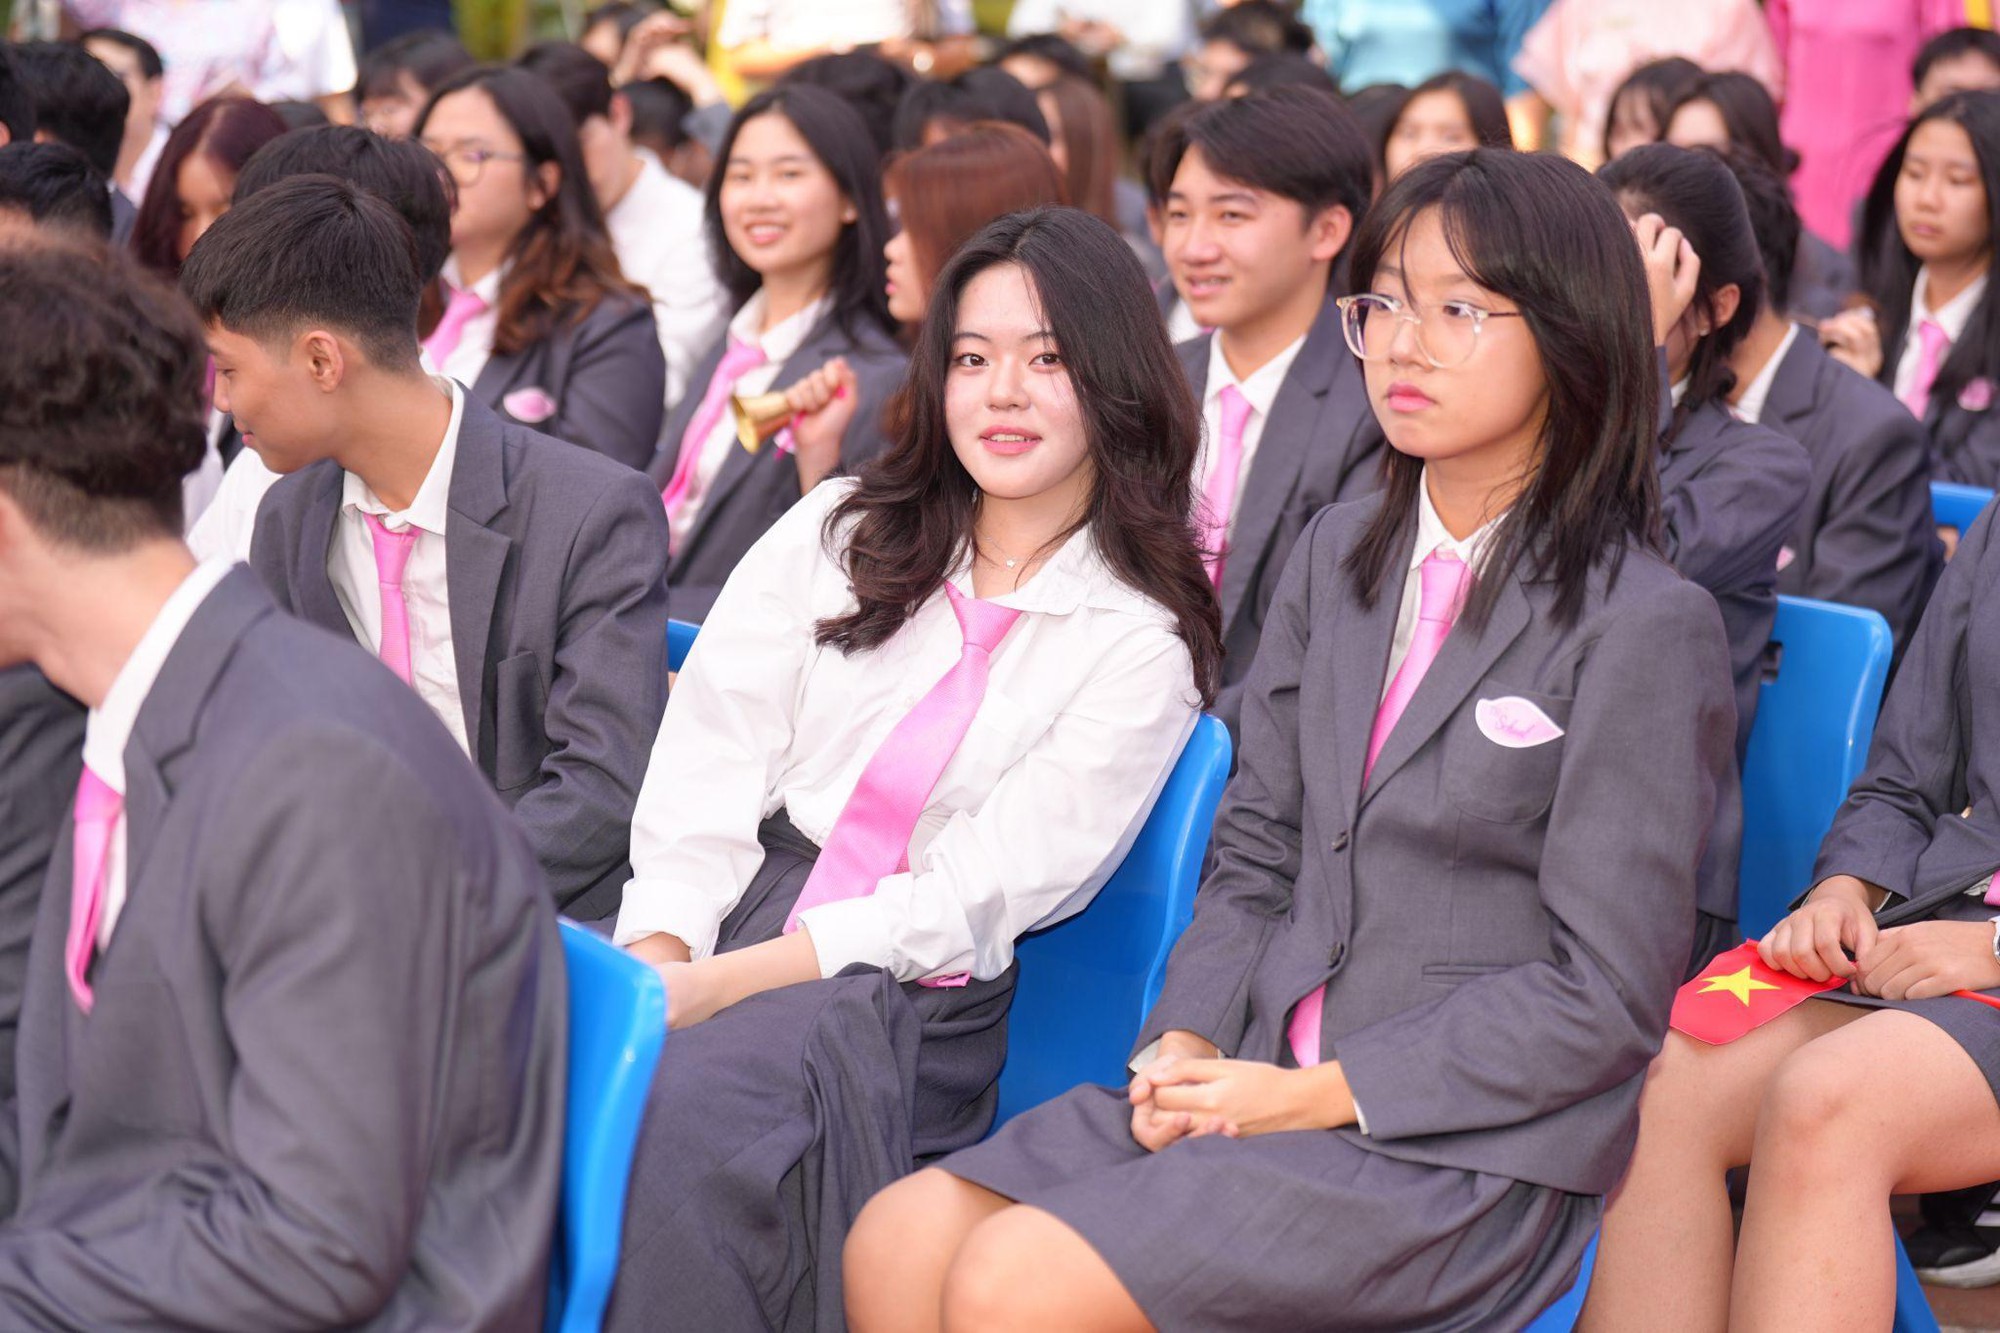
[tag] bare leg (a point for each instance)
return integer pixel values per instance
(1025, 1269)
(1890, 1104)
(902, 1244)
(1664, 1261)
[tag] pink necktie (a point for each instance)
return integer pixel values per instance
(871, 839)
(739, 360)
(1219, 496)
(1444, 579)
(464, 307)
(392, 556)
(97, 810)
(1932, 344)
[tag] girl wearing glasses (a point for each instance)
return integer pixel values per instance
(538, 323)
(1397, 1059)
(1730, 490)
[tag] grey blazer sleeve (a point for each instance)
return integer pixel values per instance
(1617, 878)
(1725, 523)
(1916, 763)
(617, 387)
(609, 690)
(1874, 548)
(1965, 446)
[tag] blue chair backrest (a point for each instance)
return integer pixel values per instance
(1955, 506)
(1808, 744)
(1087, 982)
(617, 1023)
(680, 638)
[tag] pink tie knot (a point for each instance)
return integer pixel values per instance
(97, 802)
(392, 550)
(1444, 579)
(1932, 340)
(465, 306)
(738, 361)
(982, 623)
(1235, 412)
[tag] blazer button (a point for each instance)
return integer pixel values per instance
(1335, 954)
(1340, 841)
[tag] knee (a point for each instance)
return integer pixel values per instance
(992, 1283)
(1815, 1102)
(885, 1255)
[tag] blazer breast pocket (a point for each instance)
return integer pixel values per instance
(1503, 752)
(520, 739)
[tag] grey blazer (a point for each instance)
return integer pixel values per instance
(605, 375)
(322, 1083)
(1322, 444)
(1920, 820)
(1965, 445)
(1500, 929)
(752, 491)
(555, 569)
(41, 754)
(1865, 536)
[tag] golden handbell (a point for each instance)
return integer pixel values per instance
(759, 417)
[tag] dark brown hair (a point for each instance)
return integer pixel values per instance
(226, 130)
(945, 193)
(1090, 137)
(912, 513)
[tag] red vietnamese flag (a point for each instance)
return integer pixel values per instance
(1737, 992)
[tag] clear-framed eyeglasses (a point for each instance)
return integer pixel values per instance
(467, 162)
(1447, 336)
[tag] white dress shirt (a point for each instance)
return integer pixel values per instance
(662, 245)
(778, 342)
(1952, 317)
(109, 727)
(350, 566)
(1750, 407)
(1260, 390)
(200, 487)
(1181, 323)
(475, 340)
(1091, 696)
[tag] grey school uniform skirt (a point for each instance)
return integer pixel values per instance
(1294, 1231)
(769, 1125)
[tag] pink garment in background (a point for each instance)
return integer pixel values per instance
(1847, 66)
(1581, 50)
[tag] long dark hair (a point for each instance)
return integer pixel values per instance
(914, 508)
(1889, 270)
(228, 130)
(1747, 112)
(1659, 82)
(1537, 230)
(562, 261)
(1694, 191)
(1485, 111)
(840, 139)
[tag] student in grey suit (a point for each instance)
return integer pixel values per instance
(796, 225)
(1448, 908)
(555, 338)
(300, 1065)
(1865, 537)
(533, 599)
(41, 751)
(1263, 196)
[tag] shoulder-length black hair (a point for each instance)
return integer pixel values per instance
(840, 139)
(1889, 270)
(1693, 190)
(1485, 110)
(1537, 230)
(562, 265)
(1747, 112)
(914, 508)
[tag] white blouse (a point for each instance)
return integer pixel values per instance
(1090, 698)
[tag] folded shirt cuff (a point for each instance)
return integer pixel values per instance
(850, 931)
(656, 909)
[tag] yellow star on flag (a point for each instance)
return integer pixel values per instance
(1739, 984)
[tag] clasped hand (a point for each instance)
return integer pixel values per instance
(1833, 935)
(1190, 1091)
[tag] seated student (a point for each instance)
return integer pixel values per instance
(1927, 235)
(80, 103)
(516, 584)
(1447, 113)
(654, 220)
(399, 76)
(1639, 109)
(1865, 536)
(1422, 1101)
(1031, 525)
(1888, 1089)
(1265, 193)
(931, 110)
(870, 82)
(51, 185)
(796, 226)
(195, 177)
(41, 754)
(540, 325)
(1960, 60)
(136, 65)
(1229, 39)
(291, 1045)
(658, 108)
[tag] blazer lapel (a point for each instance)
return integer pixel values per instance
(475, 555)
(496, 377)
(1361, 663)
(317, 602)
(1794, 387)
(823, 342)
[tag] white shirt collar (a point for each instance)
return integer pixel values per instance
(487, 288)
(1679, 390)
(778, 343)
(1260, 388)
(432, 502)
(108, 729)
(1750, 406)
(1953, 314)
(1432, 535)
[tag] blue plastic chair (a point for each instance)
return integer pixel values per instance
(1810, 739)
(680, 638)
(1955, 506)
(1087, 983)
(617, 1024)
